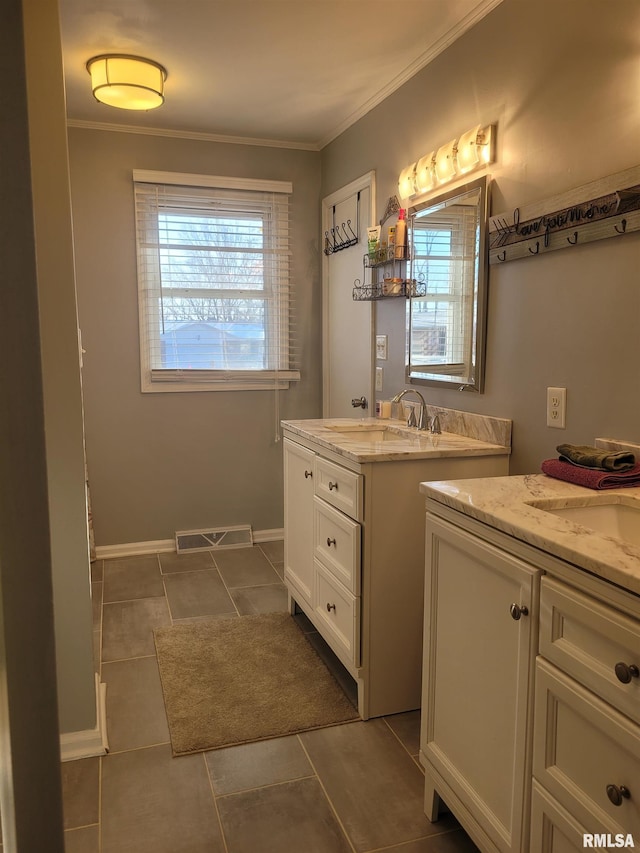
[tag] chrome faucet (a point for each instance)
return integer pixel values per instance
(423, 419)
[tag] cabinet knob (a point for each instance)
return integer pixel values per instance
(517, 611)
(330, 607)
(330, 542)
(308, 474)
(618, 794)
(625, 672)
(333, 486)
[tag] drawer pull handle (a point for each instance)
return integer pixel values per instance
(625, 673)
(330, 607)
(330, 542)
(333, 486)
(618, 794)
(517, 611)
(308, 474)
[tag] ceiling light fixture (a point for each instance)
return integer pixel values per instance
(473, 150)
(127, 82)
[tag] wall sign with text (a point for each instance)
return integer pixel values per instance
(609, 207)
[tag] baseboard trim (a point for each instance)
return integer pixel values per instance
(268, 535)
(89, 742)
(133, 549)
(164, 546)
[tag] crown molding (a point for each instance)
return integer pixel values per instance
(191, 134)
(413, 68)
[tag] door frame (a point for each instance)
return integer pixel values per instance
(366, 181)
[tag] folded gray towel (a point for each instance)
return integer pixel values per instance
(586, 456)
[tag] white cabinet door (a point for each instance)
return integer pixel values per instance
(298, 518)
(476, 704)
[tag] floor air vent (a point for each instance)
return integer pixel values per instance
(238, 536)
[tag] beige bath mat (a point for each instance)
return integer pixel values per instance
(231, 681)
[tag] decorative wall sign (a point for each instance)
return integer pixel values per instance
(609, 207)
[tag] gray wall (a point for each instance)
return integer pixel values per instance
(558, 79)
(561, 81)
(61, 368)
(165, 462)
(30, 786)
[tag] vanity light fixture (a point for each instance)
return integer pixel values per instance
(473, 150)
(127, 82)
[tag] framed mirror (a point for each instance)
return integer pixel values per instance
(450, 262)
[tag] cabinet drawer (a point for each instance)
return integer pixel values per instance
(582, 746)
(339, 487)
(339, 612)
(587, 640)
(337, 544)
(553, 830)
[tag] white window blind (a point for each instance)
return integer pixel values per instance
(213, 278)
(445, 258)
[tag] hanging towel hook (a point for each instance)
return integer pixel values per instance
(573, 240)
(623, 222)
(537, 248)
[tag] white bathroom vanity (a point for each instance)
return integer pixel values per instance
(531, 692)
(354, 537)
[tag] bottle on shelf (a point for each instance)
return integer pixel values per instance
(401, 235)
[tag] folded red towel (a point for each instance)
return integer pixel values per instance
(592, 478)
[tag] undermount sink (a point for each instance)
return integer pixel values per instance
(619, 519)
(371, 433)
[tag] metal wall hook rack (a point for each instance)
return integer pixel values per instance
(336, 240)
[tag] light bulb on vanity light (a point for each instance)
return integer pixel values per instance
(475, 148)
(425, 179)
(467, 154)
(445, 162)
(407, 182)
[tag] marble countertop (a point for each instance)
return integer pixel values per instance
(400, 441)
(509, 504)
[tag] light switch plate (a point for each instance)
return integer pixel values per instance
(381, 347)
(379, 378)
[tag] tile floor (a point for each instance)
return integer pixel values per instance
(353, 788)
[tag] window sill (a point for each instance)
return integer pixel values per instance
(169, 381)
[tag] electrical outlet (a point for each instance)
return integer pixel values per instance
(379, 378)
(381, 347)
(556, 407)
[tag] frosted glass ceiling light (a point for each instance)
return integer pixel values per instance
(127, 82)
(445, 162)
(424, 173)
(407, 182)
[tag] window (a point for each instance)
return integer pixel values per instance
(445, 259)
(213, 283)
